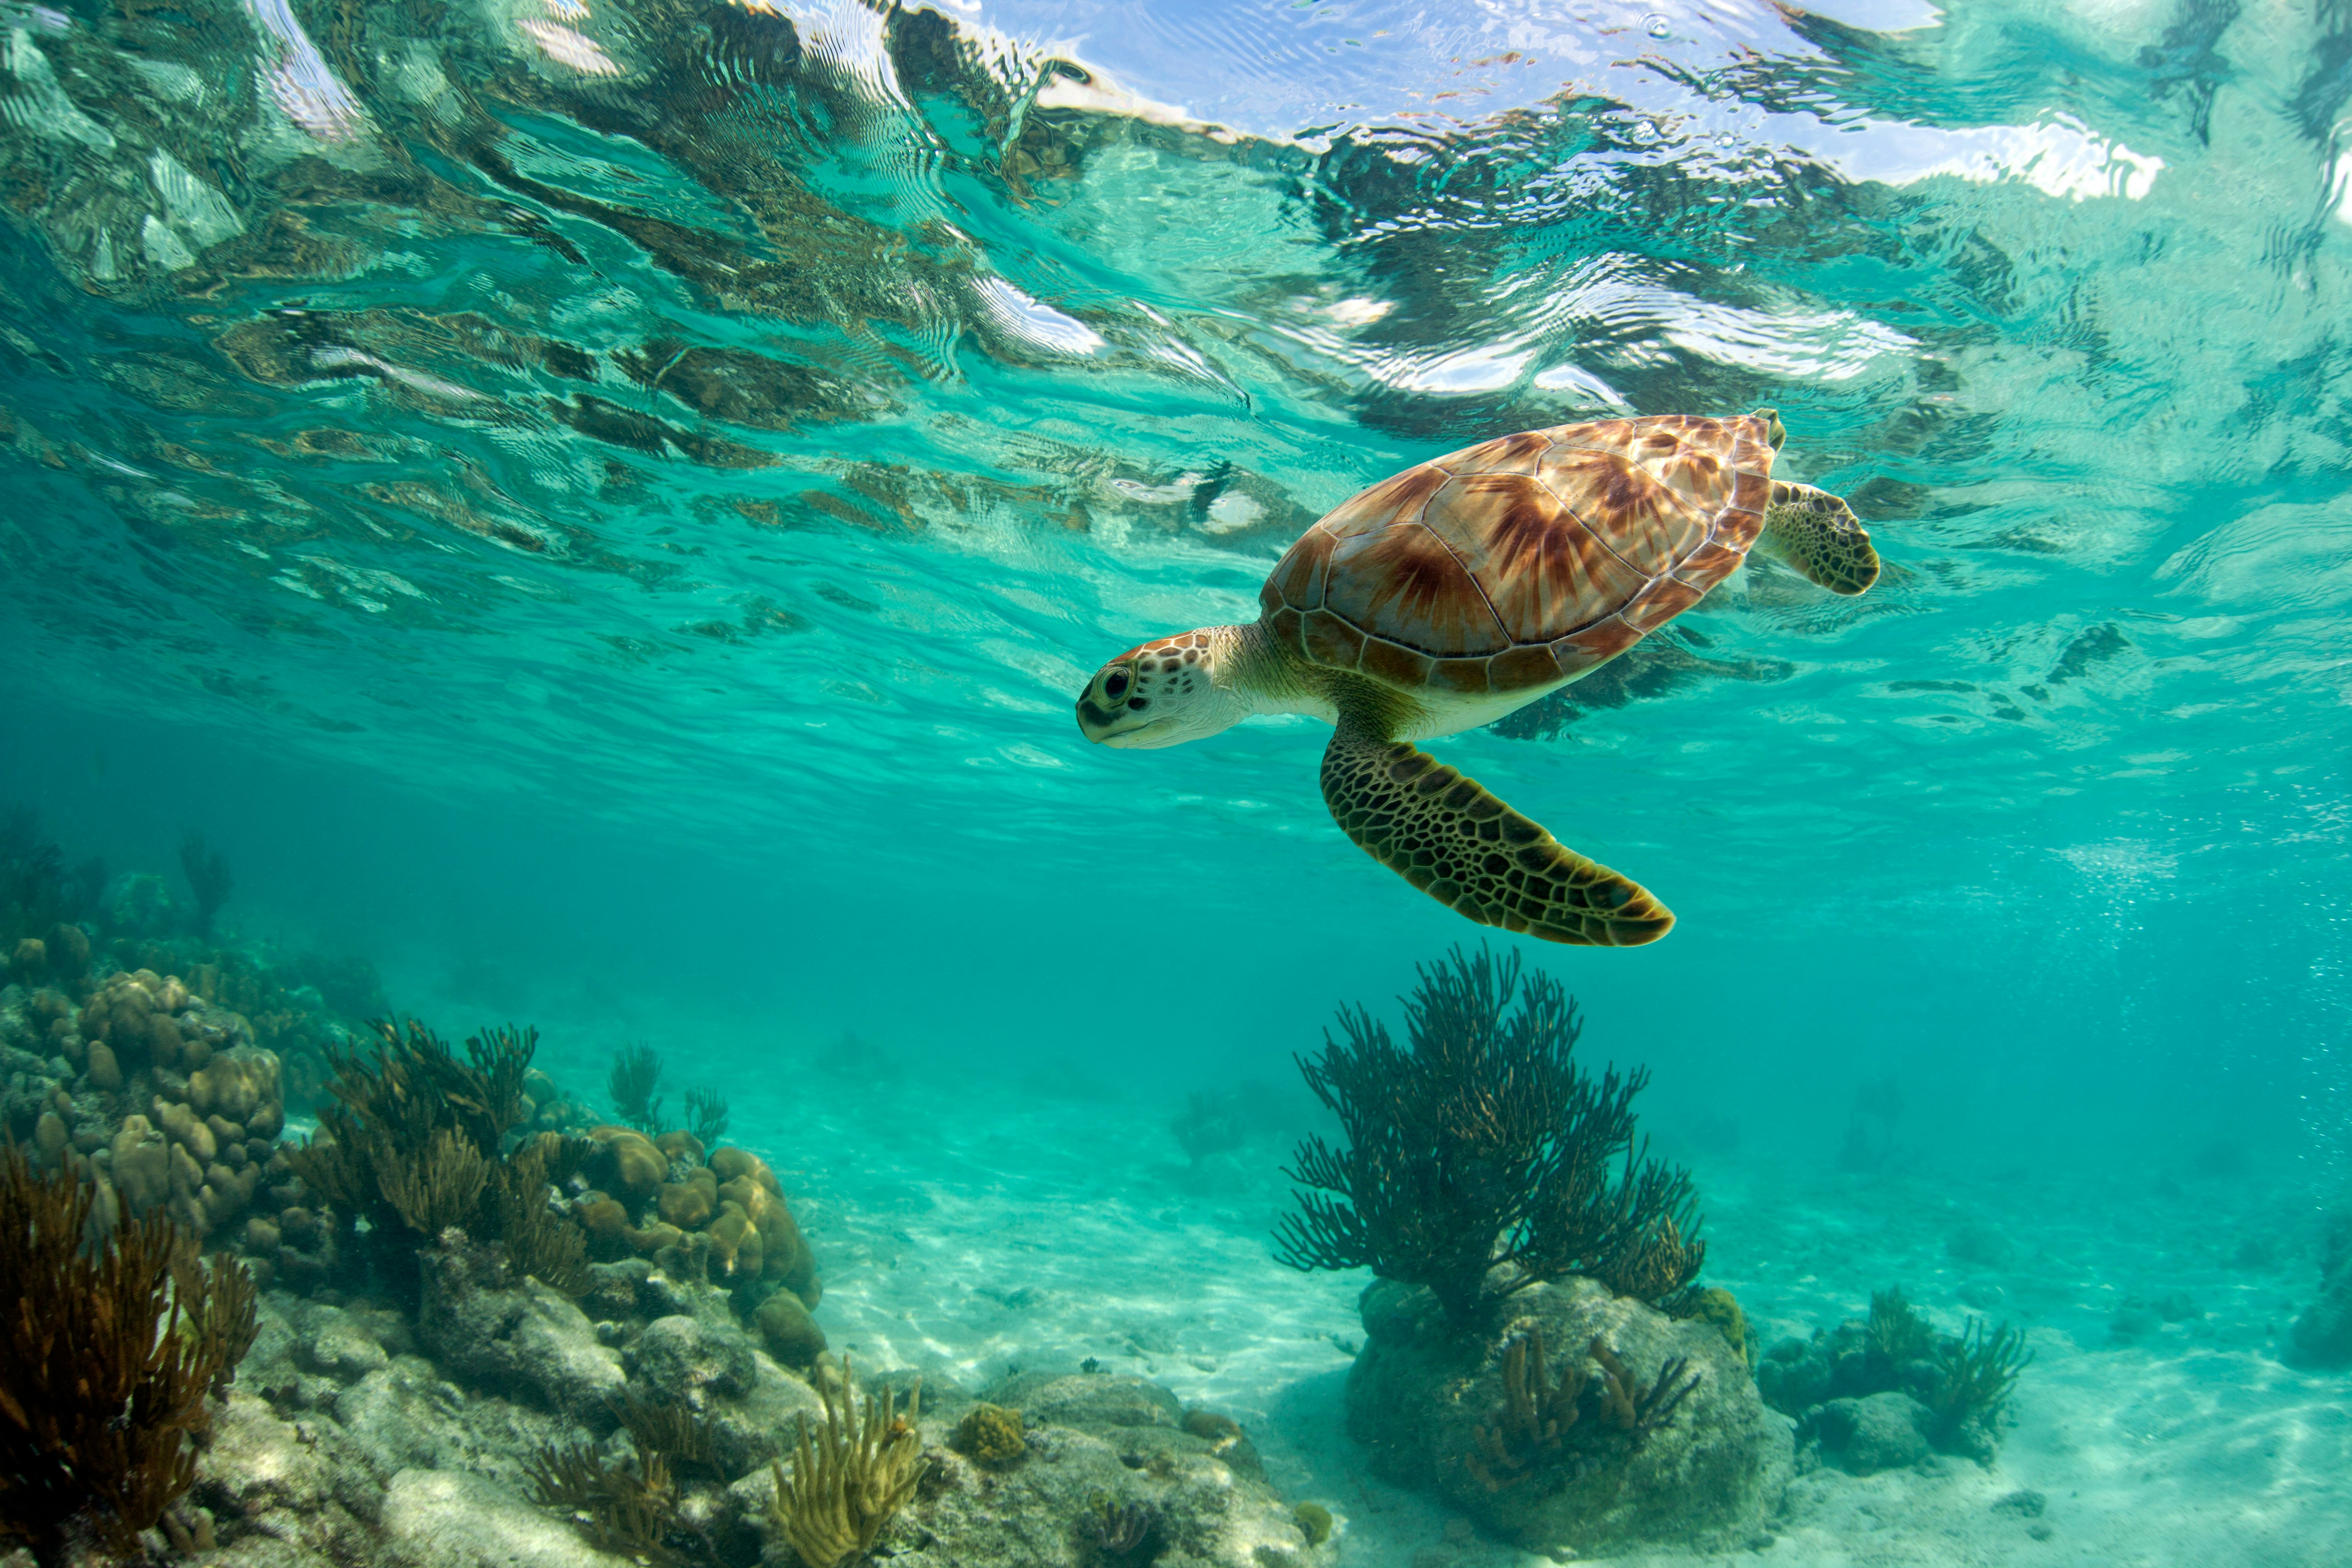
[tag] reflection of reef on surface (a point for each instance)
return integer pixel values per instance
(1655, 667)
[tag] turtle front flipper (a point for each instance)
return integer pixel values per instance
(1452, 838)
(1820, 536)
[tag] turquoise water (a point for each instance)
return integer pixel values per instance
(605, 510)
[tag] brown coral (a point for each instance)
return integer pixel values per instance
(415, 1145)
(792, 1335)
(724, 1219)
(107, 1354)
(991, 1434)
(1628, 1405)
(1535, 1418)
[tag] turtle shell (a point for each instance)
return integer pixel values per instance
(1527, 560)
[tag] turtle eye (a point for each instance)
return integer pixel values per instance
(1115, 683)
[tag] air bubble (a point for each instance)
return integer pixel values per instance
(1659, 26)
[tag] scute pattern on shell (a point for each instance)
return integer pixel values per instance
(1527, 559)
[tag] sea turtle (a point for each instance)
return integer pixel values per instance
(1445, 596)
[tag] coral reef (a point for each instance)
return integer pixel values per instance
(513, 1334)
(1211, 1123)
(1484, 1144)
(107, 1353)
(720, 1217)
(636, 1072)
(65, 930)
(616, 1508)
(991, 1434)
(1975, 1374)
(1122, 1532)
(38, 892)
(851, 1475)
(208, 878)
(1528, 1433)
(706, 1115)
(141, 1086)
(416, 1144)
(1871, 1391)
(1649, 1433)
(792, 1335)
(1114, 1477)
(2322, 1336)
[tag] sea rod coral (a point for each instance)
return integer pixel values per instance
(108, 1351)
(850, 1476)
(418, 1141)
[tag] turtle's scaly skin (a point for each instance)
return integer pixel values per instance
(1524, 562)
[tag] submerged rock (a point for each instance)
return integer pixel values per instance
(450, 1518)
(518, 1338)
(746, 1433)
(1881, 1432)
(1111, 1476)
(1435, 1409)
(681, 1358)
(299, 1489)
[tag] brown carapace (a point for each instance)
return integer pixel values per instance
(1445, 596)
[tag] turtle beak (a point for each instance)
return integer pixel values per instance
(1093, 722)
(1103, 716)
(1111, 711)
(1117, 728)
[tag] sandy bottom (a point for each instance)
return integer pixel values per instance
(964, 1233)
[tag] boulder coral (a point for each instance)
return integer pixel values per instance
(793, 1336)
(720, 1217)
(157, 1097)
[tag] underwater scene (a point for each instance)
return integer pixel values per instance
(1209, 784)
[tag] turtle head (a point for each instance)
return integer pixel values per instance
(1774, 431)
(1162, 693)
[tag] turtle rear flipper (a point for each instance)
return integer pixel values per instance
(1818, 534)
(1454, 840)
